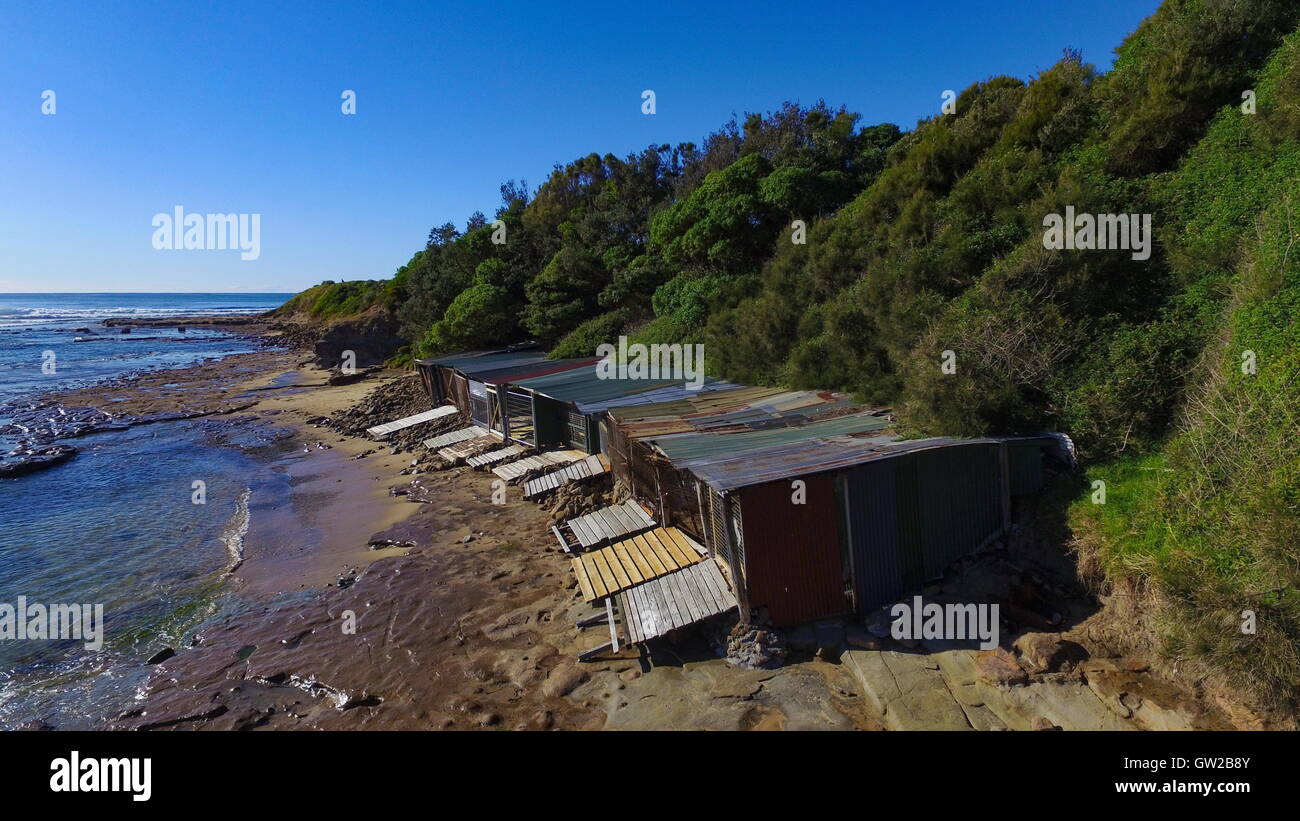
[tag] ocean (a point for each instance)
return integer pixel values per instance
(116, 525)
(34, 326)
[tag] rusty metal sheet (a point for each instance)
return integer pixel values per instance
(794, 565)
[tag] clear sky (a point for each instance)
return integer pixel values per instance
(235, 107)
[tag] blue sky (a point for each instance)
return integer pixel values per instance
(235, 107)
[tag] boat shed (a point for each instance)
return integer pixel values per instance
(815, 505)
(811, 500)
(445, 382)
(570, 404)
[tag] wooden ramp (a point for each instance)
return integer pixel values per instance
(471, 432)
(632, 561)
(517, 470)
(675, 600)
(380, 431)
(593, 465)
(463, 450)
(604, 525)
(494, 456)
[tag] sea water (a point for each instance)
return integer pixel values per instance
(117, 525)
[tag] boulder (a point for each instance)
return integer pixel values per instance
(1048, 653)
(999, 667)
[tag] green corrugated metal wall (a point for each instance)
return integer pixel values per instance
(1025, 460)
(959, 501)
(944, 504)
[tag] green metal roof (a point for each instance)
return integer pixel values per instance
(582, 386)
(688, 446)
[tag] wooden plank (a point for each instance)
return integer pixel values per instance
(617, 523)
(647, 552)
(653, 622)
(707, 575)
(613, 630)
(629, 565)
(646, 613)
(670, 606)
(593, 574)
(593, 652)
(646, 569)
(634, 609)
(702, 599)
(585, 537)
(627, 607)
(601, 521)
(620, 604)
(621, 578)
(560, 538)
(667, 619)
(639, 518)
(638, 513)
(684, 543)
(597, 618)
(584, 583)
(680, 601)
(683, 558)
(598, 534)
(494, 456)
(619, 519)
(672, 538)
(690, 544)
(698, 578)
(672, 584)
(699, 604)
(712, 575)
(670, 558)
(704, 575)
(380, 431)
(606, 575)
(454, 436)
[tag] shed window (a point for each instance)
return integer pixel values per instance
(479, 410)
(519, 408)
(577, 434)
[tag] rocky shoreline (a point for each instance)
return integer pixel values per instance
(429, 607)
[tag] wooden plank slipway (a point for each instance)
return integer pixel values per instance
(494, 456)
(634, 560)
(516, 470)
(678, 599)
(380, 431)
(462, 450)
(609, 523)
(459, 435)
(593, 465)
